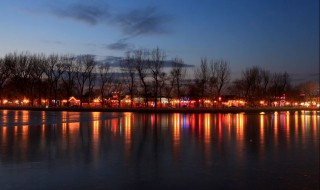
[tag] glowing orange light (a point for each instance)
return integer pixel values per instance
(96, 100)
(73, 99)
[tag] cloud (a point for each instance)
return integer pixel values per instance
(142, 21)
(113, 61)
(170, 63)
(146, 21)
(88, 13)
(120, 45)
(132, 23)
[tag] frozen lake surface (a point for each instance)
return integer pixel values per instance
(84, 150)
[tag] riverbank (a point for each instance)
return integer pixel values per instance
(168, 110)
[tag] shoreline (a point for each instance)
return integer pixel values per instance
(168, 110)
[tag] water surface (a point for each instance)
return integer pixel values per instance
(84, 150)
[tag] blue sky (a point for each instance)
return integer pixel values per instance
(279, 35)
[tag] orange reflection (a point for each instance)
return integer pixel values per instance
(16, 116)
(64, 116)
(276, 125)
(96, 126)
(114, 126)
(25, 116)
(240, 135)
(64, 129)
(5, 117)
(314, 123)
(219, 127)
(127, 128)
(239, 126)
(95, 143)
(127, 133)
(176, 135)
(262, 135)
(24, 130)
(193, 123)
(74, 128)
(261, 128)
(207, 137)
(199, 123)
(287, 125)
(276, 117)
(43, 116)
(229, 120)
(43, 127)
(153, 120)
(303, 126)
(296, 124)
(219, 121)
(207, 128)
(176, 128)
(288, 118)
(4, 134)
(64, 139)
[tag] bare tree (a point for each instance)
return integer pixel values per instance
(265, 83)
(178, 73)
(142, 69)
(222, 75)
(155, 65)
(105, 77)
(68, 76)
(251, 78)
(162, 84)
(129, 70)
(92, 77)
(50, 63)
(169, 87)
(238, 88)
(118, 88)
(37, 69)
(54, 70)
(201, 78)
(279, 83)
(309, 89)
(84, 66)
(4, 72)
(212, 80)
(21, 73)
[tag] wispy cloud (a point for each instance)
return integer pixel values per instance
(138, 22)
(143, 21)
(134, 22)
(146, 21)
(88, 13)
(131, 23)
(121, 44)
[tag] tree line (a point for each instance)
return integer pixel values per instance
(142, 73)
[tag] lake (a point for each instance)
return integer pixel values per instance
(104, 150)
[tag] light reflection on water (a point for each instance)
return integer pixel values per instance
(128, 150)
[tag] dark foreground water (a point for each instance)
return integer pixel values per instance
(71, 150)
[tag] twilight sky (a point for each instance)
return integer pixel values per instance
(279, 35)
